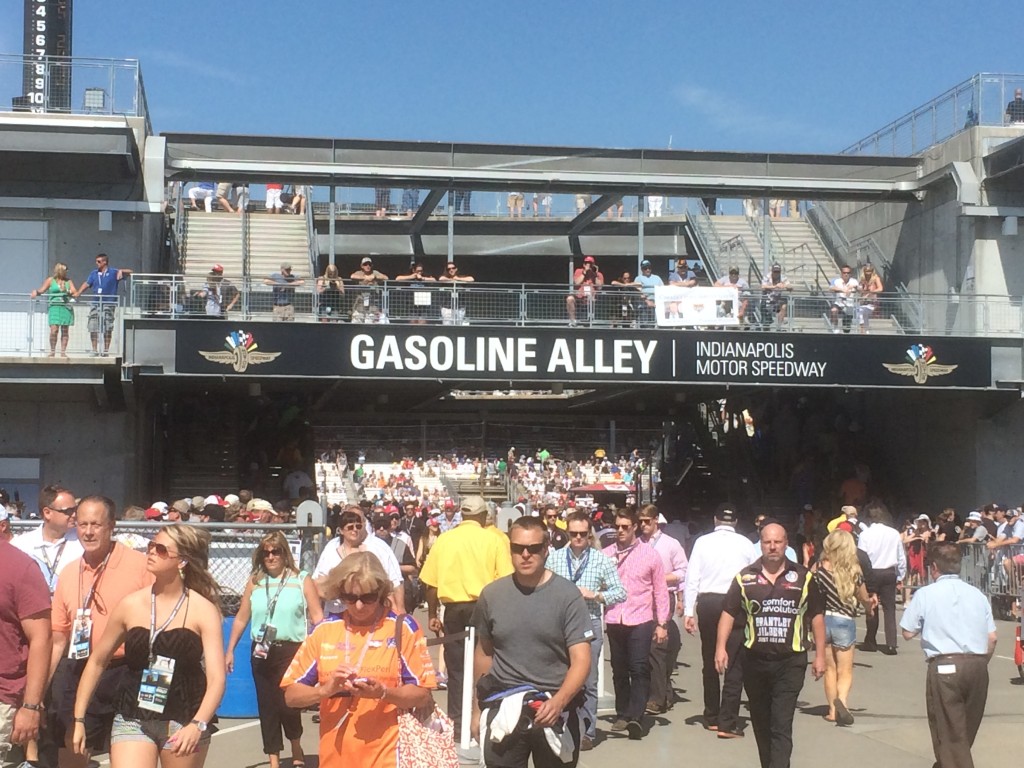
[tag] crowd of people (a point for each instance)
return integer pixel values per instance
(121, 650)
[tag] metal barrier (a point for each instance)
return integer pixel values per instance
(980, 100)
(76, 85)
(231, 549)
(175, 297)
(25, 329)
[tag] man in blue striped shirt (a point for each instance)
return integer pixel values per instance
(595, 575)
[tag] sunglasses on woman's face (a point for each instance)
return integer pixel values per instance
(367, 599)
(522, 549)
(352, 527)
(161, 550)
(270, 553)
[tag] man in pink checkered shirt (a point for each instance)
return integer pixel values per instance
(632, 624)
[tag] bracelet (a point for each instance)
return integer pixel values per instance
(80, 720)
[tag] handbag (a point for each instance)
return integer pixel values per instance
(426, 735)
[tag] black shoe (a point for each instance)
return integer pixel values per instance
(635, 730)
(888, 650)
(867, 647)
(843, 716)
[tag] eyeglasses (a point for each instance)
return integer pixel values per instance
(367, 599)
(275, 552)
(625, 527)
(522, 549)
(161, 550)
(578, 534)
(69, 511)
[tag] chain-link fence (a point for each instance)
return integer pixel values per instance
(231, 549)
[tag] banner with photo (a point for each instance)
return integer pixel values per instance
(703, 306)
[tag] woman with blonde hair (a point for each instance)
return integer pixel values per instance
(60, 316)
(174, 652)
(870, 289)
(281, 600)
(841, 583)
(352, 668)
(330, 289)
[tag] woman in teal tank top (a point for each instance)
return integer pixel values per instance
(282, 601)
(59, 314)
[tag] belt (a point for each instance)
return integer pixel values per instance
(957, 656)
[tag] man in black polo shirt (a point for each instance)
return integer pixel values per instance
(775, 599)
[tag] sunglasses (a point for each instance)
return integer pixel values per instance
(624, 527)
(367, 599)
(271, 553)
(161, 550)
(646, 520)
(551, 517)
(522, 549)
(578, 534)
(69, 511)
(352, 527)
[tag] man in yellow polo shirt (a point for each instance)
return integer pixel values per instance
(461, 563)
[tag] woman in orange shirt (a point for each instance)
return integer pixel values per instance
(350, 666)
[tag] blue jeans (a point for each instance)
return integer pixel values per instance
(589, 710)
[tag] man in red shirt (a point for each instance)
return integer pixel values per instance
(588, 281)
(25, 638)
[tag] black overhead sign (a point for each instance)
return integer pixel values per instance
(522, 355)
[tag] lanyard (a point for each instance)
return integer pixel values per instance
(575, 576)
(51, 568)
(272, 604)
(96, 581)
(154, 633)
(621, 555)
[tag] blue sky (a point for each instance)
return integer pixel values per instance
(780, 76)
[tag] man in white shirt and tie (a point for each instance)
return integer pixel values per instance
(714, 562)
(884, 547)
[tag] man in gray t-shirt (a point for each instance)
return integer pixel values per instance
(535, 633)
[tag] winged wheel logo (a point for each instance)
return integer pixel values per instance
(240, 351)
(921, 365)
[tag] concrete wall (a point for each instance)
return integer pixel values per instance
(999, 455)
(74, 237)
(933, 248)
(81, 446)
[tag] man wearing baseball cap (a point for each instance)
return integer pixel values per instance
(647, 281)
(587, 280)
(284, 283)
(461, 563)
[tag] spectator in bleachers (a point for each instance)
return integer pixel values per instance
(104, 281)
(410, 201)
(284, 283)
(451, 312)
(218, 294)
(331, 289)
(654, 205)
(1015, 109)
(382, 201)
(294, 199)
(416, 278)
(274, 204)
(542, 199)
(203, 190)
(515, 204)
(733, 280)
(366, 305)
(224, 190)
(587, 281)
(773, 289)
(870, 290)
(843, 301)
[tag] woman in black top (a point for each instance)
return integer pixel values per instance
(330, 289)
(169, 631)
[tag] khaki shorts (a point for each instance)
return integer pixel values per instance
(10, 754)
(284, 312)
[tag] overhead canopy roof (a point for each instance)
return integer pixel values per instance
(443, 165)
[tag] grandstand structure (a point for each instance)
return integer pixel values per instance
(183, 391)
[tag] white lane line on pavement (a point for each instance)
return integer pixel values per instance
(221, 732)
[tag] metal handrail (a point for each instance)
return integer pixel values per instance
(979, 100)
(707, 237)
(314, 246)
(817, 265)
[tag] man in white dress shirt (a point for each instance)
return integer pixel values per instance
(54, 543)
(883, 546)
(714, 562)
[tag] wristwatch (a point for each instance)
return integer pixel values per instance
(34, 707)
(202, 725)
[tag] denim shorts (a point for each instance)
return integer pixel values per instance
(158, 732)
(840, 631)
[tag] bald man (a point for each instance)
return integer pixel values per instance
(778, 598)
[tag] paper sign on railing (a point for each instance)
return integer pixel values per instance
(675, 306)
